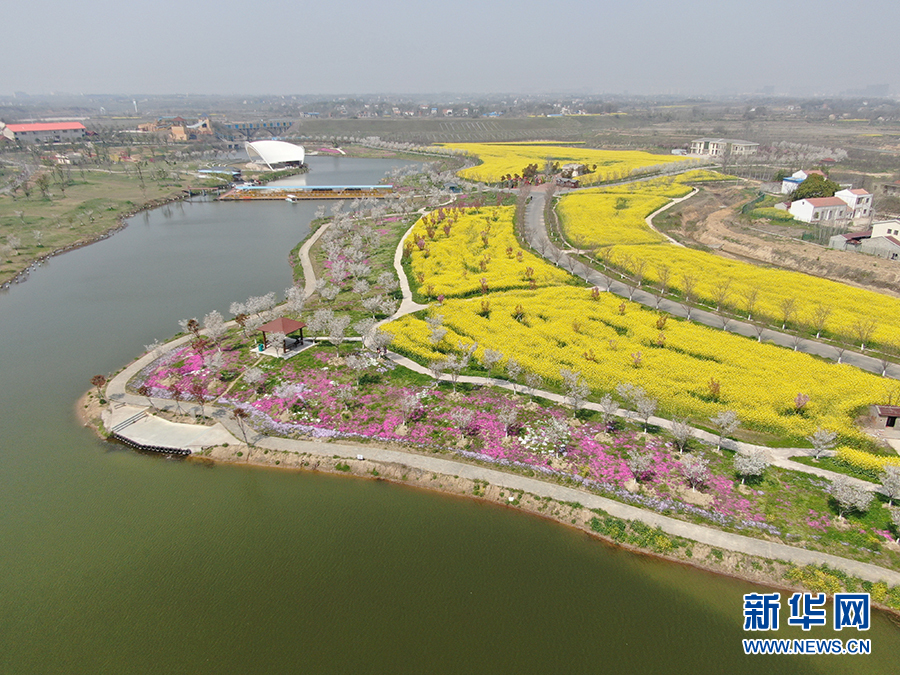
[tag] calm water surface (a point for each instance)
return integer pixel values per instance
(116, 562)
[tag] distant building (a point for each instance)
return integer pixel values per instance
(276, 154)
(718, 147)
(891, 189)
(229, 172)
(40, 132)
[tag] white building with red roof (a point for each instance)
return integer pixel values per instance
(44, 132)
(820, 210)
(859, 202)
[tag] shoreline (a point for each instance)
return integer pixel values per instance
(704, 557)
(121, 223)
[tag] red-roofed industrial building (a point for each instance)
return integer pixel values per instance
(44, 132)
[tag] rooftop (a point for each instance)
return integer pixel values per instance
(45, 126)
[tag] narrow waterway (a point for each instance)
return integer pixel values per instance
(117, 562)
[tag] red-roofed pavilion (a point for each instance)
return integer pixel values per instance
(282, 325)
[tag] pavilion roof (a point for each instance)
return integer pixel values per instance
(282, 325)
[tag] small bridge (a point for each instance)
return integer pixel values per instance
(301, 192)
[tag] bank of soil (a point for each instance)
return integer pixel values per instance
(711, 219)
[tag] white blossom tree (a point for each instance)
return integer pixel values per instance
(695, 470)
(682, 433)
(490, 358)
(215, 327)
(822, 441)
(646, 408)
(513, 371)
(850, 496)
(726, 423)
(641, 464)
(751, 463)
(890, 482)
(337, 329)
(575, 387)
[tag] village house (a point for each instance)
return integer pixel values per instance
(719, 147)
(792, 182)
(820, 210)
(883, 240)
(859, 203)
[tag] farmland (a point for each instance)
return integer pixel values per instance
(611, 221)
(693, 371)
(501, 159)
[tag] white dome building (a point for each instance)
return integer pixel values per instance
(276, 154)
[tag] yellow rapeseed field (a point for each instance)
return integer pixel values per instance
(610, 341)
(481, 251)
(500, 159)
(591, 219)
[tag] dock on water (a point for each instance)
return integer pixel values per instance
(300, 192)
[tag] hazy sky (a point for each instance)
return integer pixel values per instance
(484, 46)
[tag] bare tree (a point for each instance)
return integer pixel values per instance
(822, 440)
(721, 292)
(863, 330)
(819, 318)
(751, 463)
(850, 496)
(751, 296)
(726, 423)
(788, 310)
(688, 287)
(664, 275)
(240, 416)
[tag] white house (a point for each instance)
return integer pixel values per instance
(824, 210)
(717, 147)
(859, 202)
(792, 182)
(886, 228)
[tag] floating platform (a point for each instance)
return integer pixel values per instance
(294, 193)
